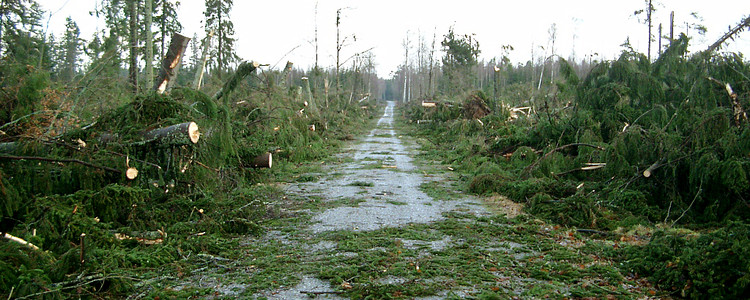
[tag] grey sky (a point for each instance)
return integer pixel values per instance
(267, 30)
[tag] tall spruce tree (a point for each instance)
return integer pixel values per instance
(70, 52)
(461, 55)
(217, 20)
(165, 14)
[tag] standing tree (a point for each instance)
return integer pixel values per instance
(149, 56)
(648, 21)
(165, 14)
(461, 55)
(71, 45)
(133, 43)
(217, 21)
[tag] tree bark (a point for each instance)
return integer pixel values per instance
(149, 44)
(285, 73)
(265, 160)
(171, 63)
(133, 59)
(179, 134)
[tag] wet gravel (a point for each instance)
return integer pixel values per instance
(384, 177)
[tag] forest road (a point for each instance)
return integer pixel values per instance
(375, 185)
(384, 181)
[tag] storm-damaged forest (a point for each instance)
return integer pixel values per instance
(142, 163)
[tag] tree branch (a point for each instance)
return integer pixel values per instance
(80, 162)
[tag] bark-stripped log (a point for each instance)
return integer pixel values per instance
(171, 63)
(180, 134)
(265, 160)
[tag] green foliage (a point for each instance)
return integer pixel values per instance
(461, 54)
(712, 265)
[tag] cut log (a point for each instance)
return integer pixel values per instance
(650, 171)
(180, 134)
(265, 160)
(429, 104)
(131, 173)
(171, 63)
(20, 241)
(243, 70)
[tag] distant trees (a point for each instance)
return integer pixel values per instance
(461, 55)
(70, 50)
(217, 21)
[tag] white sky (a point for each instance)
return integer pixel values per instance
(266, 30)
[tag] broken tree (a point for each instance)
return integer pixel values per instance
(171, 63)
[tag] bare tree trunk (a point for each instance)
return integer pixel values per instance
(133, 25)
(649, 29)
(659, 39)
(338, 49)
(671, 27)
(204, 58)
(149, 44)
(171, 62)
(316, 35)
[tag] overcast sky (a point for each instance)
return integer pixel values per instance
(267, 30)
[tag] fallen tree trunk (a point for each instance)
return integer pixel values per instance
(20, 241)
(180, 134)
(171, 63)
(650, 171)
(264, 160)
(245, 68)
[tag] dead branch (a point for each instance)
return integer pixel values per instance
(47, 159)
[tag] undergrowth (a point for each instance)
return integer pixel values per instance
(102, 235)
(579, 158)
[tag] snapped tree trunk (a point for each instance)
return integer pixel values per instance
(245, 68)
(311, 103)
(171, 63)
(285, 73)
(204, 58)
(179, 134)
